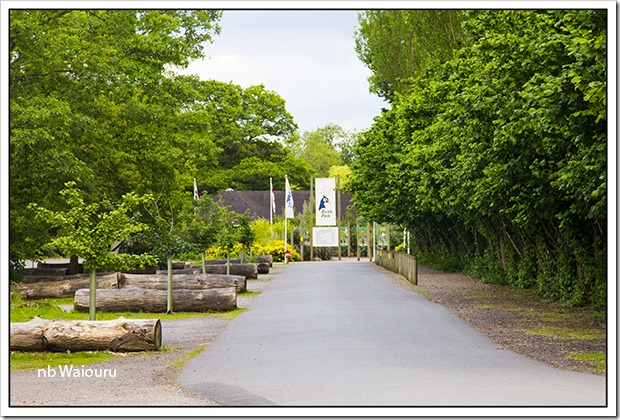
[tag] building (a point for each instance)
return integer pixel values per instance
(258, 202)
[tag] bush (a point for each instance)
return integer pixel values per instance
(276, 249)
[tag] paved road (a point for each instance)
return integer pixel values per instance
(348, 334)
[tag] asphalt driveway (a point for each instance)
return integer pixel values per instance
(349, 334)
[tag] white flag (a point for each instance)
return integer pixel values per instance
(289, 201)
(196, 196)
(273, 198)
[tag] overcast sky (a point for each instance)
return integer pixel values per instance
(307, 57)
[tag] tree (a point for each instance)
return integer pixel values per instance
(320, 148)
(80, 81)
(495, 160)
(89, 231)
(397, 44)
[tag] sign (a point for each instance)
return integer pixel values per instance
(362, 237)
(324, 236)
(344, 236)
(325, 201)
(287, 255)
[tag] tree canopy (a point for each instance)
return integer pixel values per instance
(93, 100)
(496, 160)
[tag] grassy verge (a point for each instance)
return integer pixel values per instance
(597, 360)
(23, 311)
(19, 360)
(179, 363)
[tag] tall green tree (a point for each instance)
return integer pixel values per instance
(496, 160)
(89, 102)
(88, 230)
(396, 44)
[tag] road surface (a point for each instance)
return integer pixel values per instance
(350, 334)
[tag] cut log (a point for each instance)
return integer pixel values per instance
(121, 335)
(153, 300)
(265, 259)
(260, 259)
(46, 271)
(182, 281)
(194, 270)
(63, 288)
(249, 271)
(262, 268)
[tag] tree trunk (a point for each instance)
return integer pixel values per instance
(182, 281)
(265, 259)
(259, 259)
(249, 271)
(62, 288)
(120, 335)
(262, 268)
(47, 271)
(153, 300)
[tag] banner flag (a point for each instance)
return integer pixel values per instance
(272, 201)
(196, 196)
(325, 200)
(290, 210)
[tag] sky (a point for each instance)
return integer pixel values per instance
(307, 57)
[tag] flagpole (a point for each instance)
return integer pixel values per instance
(285, 218)
(270, 202)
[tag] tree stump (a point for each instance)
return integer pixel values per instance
(154, 300)
(122, 335)
(182, 281)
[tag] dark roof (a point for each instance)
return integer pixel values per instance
(258, 202)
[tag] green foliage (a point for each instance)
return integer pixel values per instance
(39, 360)
(496, 160)
(397, 44)
(276, 249)
(89, 230)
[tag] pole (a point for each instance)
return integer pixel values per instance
(169, 299)
(312, 209)
(92, 295)
(204, 264)
(338, 216)
(357, 245)
(270, 203)
(349, 239)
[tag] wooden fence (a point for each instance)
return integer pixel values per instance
(403, 264)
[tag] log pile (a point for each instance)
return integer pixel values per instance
(121, 335)
(155, 300)
(182, 281)
(65, 287)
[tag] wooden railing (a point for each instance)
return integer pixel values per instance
(403, 264)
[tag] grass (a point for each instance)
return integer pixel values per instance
(597, 359)
(187, 357)
(19, 360)
(23, 311)
(569, 333)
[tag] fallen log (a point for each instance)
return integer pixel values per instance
(262, 268)
(265, 259)
(46, 271)
(154, 300)
(182, 281)
(122, 335)
(62, 288)
(249, 271)
(194, 270)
